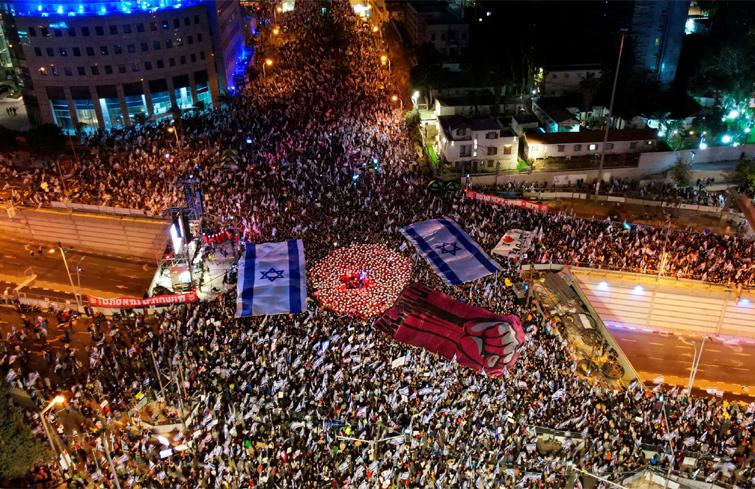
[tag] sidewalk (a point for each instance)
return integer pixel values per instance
(18, 122)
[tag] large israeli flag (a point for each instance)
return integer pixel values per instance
(271, 279)
(450, 251)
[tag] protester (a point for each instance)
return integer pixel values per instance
(317, 150)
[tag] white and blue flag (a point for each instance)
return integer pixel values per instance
(450, 251)
(271, 279)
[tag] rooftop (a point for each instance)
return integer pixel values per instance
(573, 67)
(523, 117)
(434, 12)
(450, 123)
(471, 99)
(555, 111)
(537, 137)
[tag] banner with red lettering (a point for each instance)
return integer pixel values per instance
(476, 337)
(129, 302)
(494, 199)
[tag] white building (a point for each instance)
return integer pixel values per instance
(432, 22)
(477, 145)
(541, 145)
(563, 80)
(554, 117)
(476, 105)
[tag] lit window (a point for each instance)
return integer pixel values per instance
(592, 147)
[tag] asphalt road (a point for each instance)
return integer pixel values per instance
(98, 273)
(652, 354)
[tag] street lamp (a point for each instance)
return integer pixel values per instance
(70, 278)
(78, 271)
(375, 29)
(55, 401)
(268, 62)
(173, 130)
(610, 115)
(396, 98)
(415, 100)
(276, 30)
(385, 60)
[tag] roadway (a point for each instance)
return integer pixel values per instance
(99, 275)
(727, 364)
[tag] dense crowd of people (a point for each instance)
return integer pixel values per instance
(318, 150)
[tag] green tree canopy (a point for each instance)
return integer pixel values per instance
(746, 173)
(726, 63)
(46, 138)
(20, 451)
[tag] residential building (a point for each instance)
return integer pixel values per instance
(477, 144)
(98, 64)
(568, 79)
(433, 22)
(570, 114)
(656, 32)
(477, 104)
(554, 117)
(541, 145)
(523, 121)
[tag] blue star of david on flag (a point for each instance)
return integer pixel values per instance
(272, 274)
(451, 248)
(454, 256)
(272, 279)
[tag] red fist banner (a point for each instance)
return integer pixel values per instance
(477, 338)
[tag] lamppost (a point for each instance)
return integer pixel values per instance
(696, 356)
(70, 278)
(55, 401)
(78, 271)
(385, 60)
(662, 265)
(173, 130)
(396, 98)
(268, 62)
(610, 115)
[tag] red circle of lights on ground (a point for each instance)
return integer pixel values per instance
(362, 280)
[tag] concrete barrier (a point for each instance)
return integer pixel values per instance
(648, 164)
(628, 200)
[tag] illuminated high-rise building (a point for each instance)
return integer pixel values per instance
(89, 64)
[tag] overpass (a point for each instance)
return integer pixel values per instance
(101, 230)
(638, 301)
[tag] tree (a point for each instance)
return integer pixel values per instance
(726, 59)
(589, 85)
(746, 173)
(20, 451)
(46, 138)
(140, 118)
(681, 173)
(224, 99)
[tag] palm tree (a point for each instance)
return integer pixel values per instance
(589, 85)
(140, 118)
(224, 99)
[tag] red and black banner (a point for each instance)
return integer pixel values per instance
(128, 302)
(477, 338)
